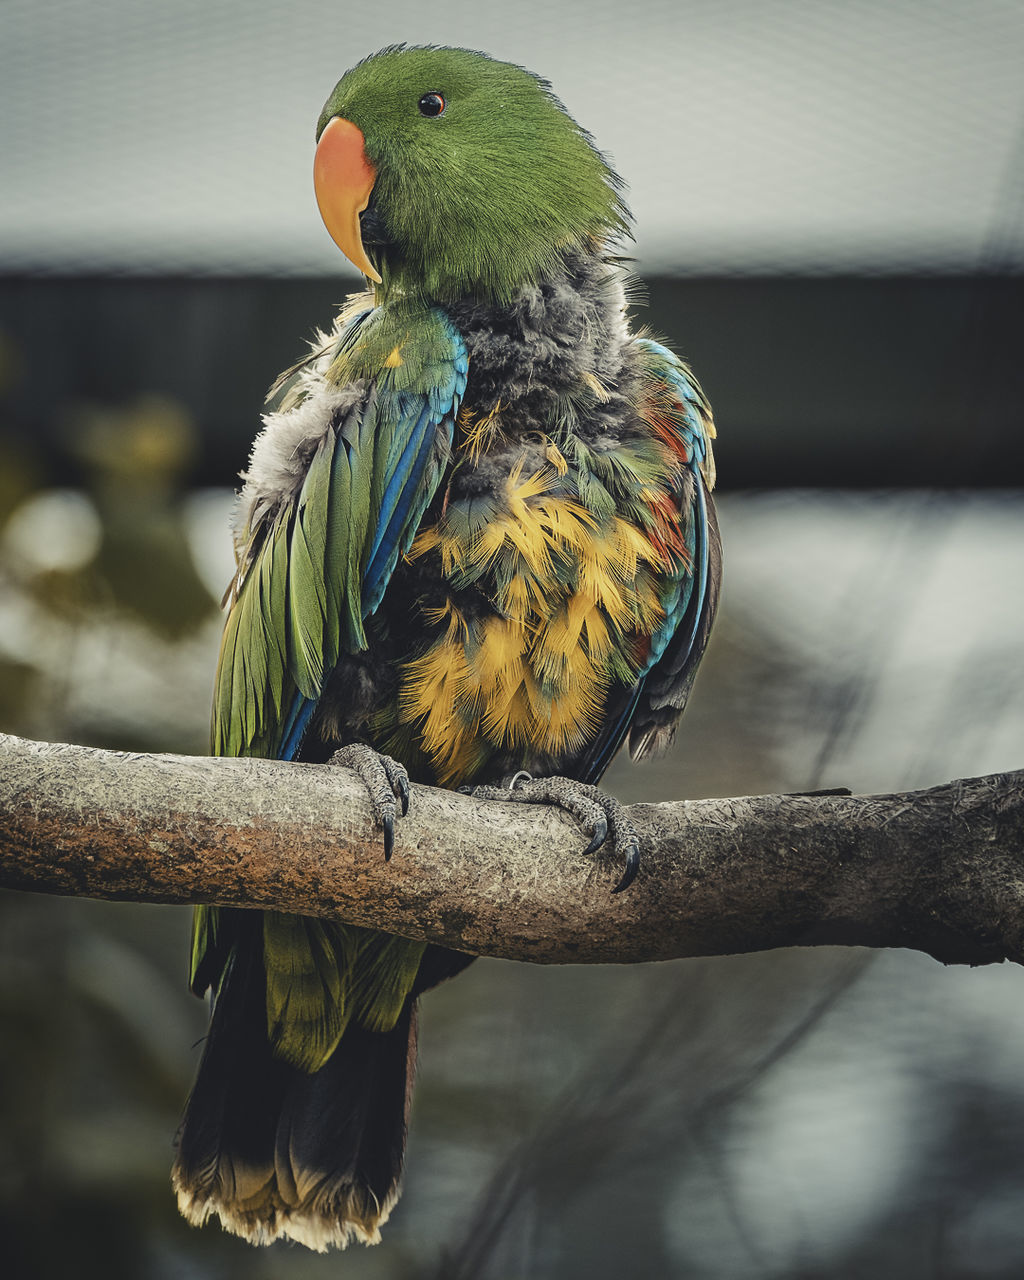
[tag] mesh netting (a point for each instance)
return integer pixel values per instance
(176, 135)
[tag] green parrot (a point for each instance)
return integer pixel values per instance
(475, 542)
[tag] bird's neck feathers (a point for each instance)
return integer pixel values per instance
(492, 267)
(556, 339)
(562, 329)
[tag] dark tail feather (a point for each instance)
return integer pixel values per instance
(275, 1152)
(341, 1137)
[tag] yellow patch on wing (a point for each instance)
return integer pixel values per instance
(570, 593)
(573, 717)
(537, 525)
(480, 431)
(523, 597)
(609, 574)
(597, 386)
(555, 456)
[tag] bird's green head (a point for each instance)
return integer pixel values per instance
(445, 173)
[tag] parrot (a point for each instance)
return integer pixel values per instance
(476, 549)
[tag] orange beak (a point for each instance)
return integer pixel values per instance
(343, 179)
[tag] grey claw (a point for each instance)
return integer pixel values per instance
(598, 838)
(632, 866)
(385, 780)
(602, 815)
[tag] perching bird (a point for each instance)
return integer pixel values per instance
(476, 536)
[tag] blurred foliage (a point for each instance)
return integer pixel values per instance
(104, 614)
(135, 460)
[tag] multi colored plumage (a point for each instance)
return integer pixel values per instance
(476, 534)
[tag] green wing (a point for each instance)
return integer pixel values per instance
(314, 567)
(372, 414)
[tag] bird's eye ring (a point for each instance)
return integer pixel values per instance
(431, 104)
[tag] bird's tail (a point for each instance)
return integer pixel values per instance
(274, 1151)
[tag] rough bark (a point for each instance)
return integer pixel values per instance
(941, 871)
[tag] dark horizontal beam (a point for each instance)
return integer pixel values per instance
(826, 381)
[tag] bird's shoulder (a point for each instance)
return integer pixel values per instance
(350, 455)
(384, 366)
(405, 344)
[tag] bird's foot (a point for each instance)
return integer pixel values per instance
(385, 779)
(599, 815)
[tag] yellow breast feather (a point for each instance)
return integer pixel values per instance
(570, 594)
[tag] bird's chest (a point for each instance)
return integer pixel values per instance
(532, 604)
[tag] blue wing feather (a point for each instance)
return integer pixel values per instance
(420, 420)
(391, 443)
(689, 597)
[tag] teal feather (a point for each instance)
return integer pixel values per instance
(358, 509)
(312, 573)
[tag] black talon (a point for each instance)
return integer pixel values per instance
(632, 866)
(386, 782)
(598, 838)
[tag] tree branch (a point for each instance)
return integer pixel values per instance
(941, 870)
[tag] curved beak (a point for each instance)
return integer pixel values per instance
(343, 179)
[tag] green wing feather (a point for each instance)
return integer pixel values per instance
(311, 569)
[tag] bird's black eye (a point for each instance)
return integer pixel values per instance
(431, 104)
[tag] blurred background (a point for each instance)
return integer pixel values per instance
(830, 208)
